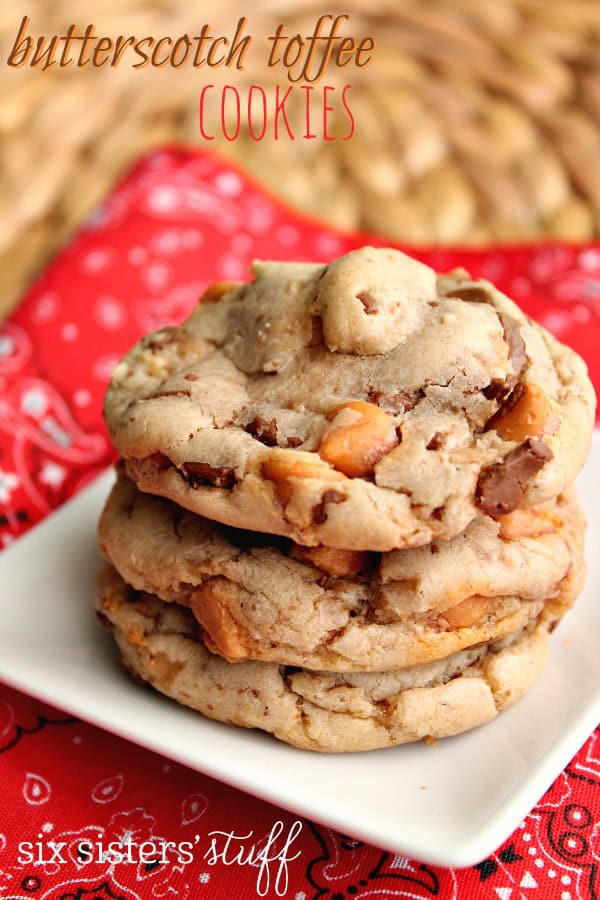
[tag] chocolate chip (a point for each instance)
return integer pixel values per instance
(502, 485)
(368, 301)
(495, 390)
(190, 377)
(512, 400)
(320, 510)
(264, 430)
(437, 441)
(396, 402)
(516, 345)
(472, 293)
(517, 354)
(147, 466)
(198, 473)
(316, 337)
(293, 441)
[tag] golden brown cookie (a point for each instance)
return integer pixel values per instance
(268, 599)
(368, 404)
(160, 643)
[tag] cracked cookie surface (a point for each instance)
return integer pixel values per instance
(160, 644)
(369, 404)
(269, 599)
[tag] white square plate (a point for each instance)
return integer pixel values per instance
(451, 804)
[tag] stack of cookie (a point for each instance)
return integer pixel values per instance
(344, 510)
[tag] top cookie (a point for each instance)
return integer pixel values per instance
(368, 404)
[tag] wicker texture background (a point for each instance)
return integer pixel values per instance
(479, 120)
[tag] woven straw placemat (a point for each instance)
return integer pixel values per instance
(479, 120)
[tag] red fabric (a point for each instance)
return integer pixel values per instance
(180, 220)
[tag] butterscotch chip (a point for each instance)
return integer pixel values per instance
(467, 612)
(364, 435)
(528, 523)
(340, 563)
(288, 472)
(526, 417)
(210, 606)
(412, 386)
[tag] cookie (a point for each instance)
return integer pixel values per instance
(159, 643)
(268, 599)
(365, 405)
